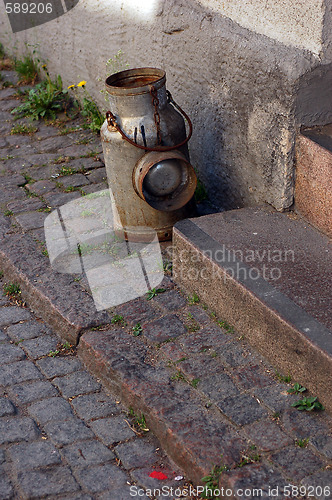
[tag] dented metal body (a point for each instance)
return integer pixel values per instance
(132, 105)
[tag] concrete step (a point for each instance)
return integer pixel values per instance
(268, 274)
(313, 185)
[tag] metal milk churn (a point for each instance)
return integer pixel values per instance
(145, 147)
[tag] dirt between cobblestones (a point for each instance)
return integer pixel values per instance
(203, 391)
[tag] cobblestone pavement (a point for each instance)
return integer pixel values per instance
(205, 390)
(61, 434)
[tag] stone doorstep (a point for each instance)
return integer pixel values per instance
(313, 176)
(285, 333)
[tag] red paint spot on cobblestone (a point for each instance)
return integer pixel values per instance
(158, 475)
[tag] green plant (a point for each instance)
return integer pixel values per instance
(116, 63)
(91, 154)
(200, 192)
(28, 178)
(52, 354)
(308, 404)
(248, 459)
(302, 443)
(70, 189)
(283, 378)
(153, 292)
(276, 415)
(45, 252)
(46, 209)
(194, 299)
(2, 51)
(212, 482)
(27, 68)
(8, 157)
(117, 319)
(226, 326)
(178, 376)
(11, 289)
(7, 213)
(167, 266)
(181, 359)
(296, 389)
(84, 140)
(195, 382)
(193, 326)
(88, 107)
(139, 421)
(1, 274)
(44, 100)
(23, 129)
(137, 330)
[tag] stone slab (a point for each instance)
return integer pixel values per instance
(313, 186)
(227, 253)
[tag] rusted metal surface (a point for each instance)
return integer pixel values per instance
(130, 129)
(156, 115)
(112, 123)
(181, 189)
(135, 81)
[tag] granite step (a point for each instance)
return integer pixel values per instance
(313, 185)
(268, 274)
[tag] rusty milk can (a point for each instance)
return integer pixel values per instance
(145, 147)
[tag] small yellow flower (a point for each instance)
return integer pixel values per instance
(71, 87)
(44, 66)
(82, 83)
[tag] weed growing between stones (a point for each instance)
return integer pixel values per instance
(12, 290)
(23, 129)
(308, 404)
(153, 292)
(137, 330)
(194, 299)
(283, 378)
(45, 100)
(302, 443)
(118, 320)
(138, 422)
(88, 107)
(212, 482)
(296, 389)
(226, 326)
(27, 68)
(63, 349)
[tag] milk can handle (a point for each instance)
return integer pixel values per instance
(111, 121)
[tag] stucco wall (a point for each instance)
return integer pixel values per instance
(297, 23)
(245, 91)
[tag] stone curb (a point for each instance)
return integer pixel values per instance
(62, 303)
(302, 346)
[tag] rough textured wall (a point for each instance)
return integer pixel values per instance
(245, 92)
(293, 23)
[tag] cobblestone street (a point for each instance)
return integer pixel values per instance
(61, 433)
